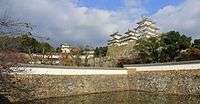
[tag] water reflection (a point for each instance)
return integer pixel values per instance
(129, 97)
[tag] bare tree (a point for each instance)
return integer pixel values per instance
(12, 26)
(9, 59)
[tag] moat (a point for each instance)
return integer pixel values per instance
(127, 97)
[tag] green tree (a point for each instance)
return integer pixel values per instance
(29, 44)
(173, 43)
(24, 43)
(58, 50)
(8, 43)
(149, 49)
(196, 43)
(46, 47)
(96, 52)
(10, 26)
(100, 51)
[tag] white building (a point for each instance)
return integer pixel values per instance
(87, 54)
(145, 29)
(65, 48)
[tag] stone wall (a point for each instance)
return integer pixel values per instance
(45, 86)
(170, 82)
(116, 51)
(35, 86)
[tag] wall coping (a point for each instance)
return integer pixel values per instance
(164, 64)
(71, 67)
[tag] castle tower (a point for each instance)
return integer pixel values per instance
(146, 28)
(122, 46)
(115, 39)
(131, 35)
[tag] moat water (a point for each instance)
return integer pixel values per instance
(127, 97)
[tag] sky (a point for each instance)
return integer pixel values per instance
(90, 22)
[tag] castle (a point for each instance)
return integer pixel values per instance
(121, 45)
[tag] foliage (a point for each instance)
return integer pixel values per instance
(72, 58)
(58, 50)
(190, 54)
(9, 56)
(196, 43)
(149, 49)
(122, 61)
(13, 57)
(25, 44)
(12, 26)
(8, 43)
(100, 51)
(166, 48)
(173, 43)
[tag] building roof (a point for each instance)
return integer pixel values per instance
(116, 33)
(135, 33)
(65, 44)
(146, 19)
(145, 25)
(130, 31)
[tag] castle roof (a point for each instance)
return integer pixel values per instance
(116, 33)
(130, 31)
(144, 20)
(145, 27)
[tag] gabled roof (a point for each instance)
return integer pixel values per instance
(116, 33)
(130, 31)
(65, 44)
(153, 27)
(146, 19)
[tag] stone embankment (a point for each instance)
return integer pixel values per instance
(39, 82)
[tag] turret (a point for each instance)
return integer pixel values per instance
(116, 35)
(147, 28)
(130, 35)
(115, 38)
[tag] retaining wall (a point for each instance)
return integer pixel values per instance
(45, 86)
(169, 82)
(48, 84)
(185, 65)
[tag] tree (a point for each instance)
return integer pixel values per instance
(196, 43)
(190, 54)
(58, 50)
(149, 49)
(12, 26)
(72, 58)
(29, 44)
(8, 43)
(173, 43)
(100, 51)
(24, 43)
(9, 58)
(96, 52)
(46, 47)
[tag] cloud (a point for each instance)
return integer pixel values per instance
(64, 21)
(134, 8)
(184, 18)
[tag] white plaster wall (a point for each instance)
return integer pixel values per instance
(89, 71)
(70, 71)
(166, 67)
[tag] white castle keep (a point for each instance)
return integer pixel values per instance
(145, 29)
(120, 46)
